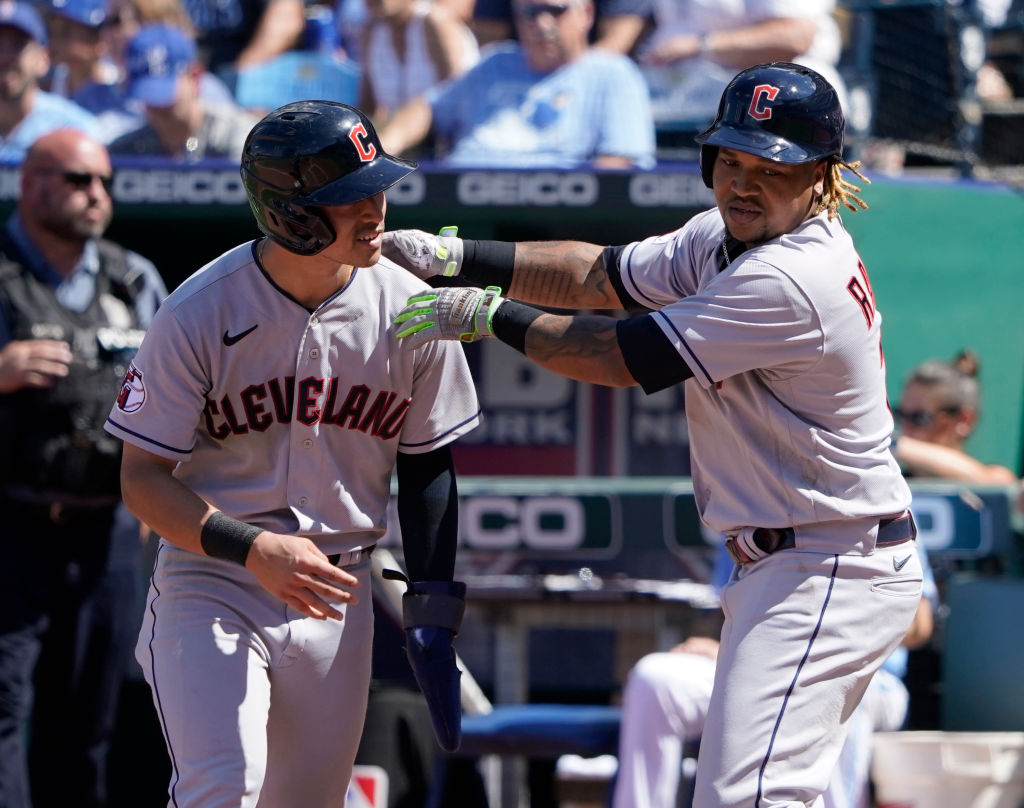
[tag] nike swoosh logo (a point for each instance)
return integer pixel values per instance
(231, 339)
(898, 565)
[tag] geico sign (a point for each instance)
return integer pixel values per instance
(544, 188)
(508, 523)
(673, 190)
(410, 190)
(156, 185)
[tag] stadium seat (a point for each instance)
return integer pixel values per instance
(542, 730)
(296, 76)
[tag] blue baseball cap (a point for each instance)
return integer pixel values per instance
(87, 12)
(155, 58)
(24, 17)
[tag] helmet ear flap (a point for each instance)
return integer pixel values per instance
(301, 229)
(708, 155)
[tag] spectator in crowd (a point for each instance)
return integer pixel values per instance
(164, 75)
(549, 100)
(408, 47)
(83, 68)
(619, 24)
(697, 47)
(666, 697)
(235, 34)
(125, 19)
(77, 46)
(26, 110)
(937, 413)
(72, 310)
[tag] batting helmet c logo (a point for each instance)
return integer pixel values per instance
(361, 138)
(763, 93)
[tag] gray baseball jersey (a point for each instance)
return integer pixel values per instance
(290, 420)
(240, 383)
(770, 338)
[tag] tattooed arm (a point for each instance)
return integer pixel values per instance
(564, 275)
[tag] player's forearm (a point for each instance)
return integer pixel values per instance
(561, 274)
(584, 348)
(160, 500)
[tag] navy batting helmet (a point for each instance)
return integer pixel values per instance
(307, 155)
(779, 111)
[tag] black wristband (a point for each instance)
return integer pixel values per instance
(227, 538)
(511, 322)
(488, 263)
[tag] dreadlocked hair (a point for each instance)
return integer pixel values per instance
(837, 191)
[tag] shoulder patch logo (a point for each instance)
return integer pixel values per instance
(132, 394)
(759, 109)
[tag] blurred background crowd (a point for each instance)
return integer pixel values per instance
(613, 83)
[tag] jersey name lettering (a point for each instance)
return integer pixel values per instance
(863, 293)
(316, 400)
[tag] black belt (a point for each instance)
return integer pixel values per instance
(350, 558)
(770, 540)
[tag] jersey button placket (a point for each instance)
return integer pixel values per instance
(303, 460)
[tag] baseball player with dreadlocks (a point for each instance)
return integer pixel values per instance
(762, 307)
(262, 419)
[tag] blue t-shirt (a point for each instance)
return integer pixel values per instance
(49, 112)
(502, 114)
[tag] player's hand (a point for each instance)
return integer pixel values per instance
(456, 312)
(33, 363)
(424, 254)
(702, 646)
(295, 570)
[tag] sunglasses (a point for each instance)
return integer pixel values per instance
(922, 418)
(534, 10)
(82, 180)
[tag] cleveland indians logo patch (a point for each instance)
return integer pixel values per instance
(759, 109)
(361, 138)
(132, 394)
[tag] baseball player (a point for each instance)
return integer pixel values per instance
(763, 309)
(262, 419)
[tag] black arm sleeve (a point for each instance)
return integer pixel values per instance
(611, 257)
(649, 355)
(428, 511)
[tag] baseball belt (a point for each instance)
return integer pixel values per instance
(895, 530)
(350, 558)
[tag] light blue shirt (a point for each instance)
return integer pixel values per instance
(77, 290)
(49, 112)
(502, 114)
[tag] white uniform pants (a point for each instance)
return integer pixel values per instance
(665, 703)
(803, 634)
(259, 705)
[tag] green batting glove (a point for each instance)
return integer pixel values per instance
(455, 312)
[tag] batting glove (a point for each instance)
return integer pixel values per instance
(456, 312)
(424, 254)
(431, 616)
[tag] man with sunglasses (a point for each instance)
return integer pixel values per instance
(549, 100)
(73, 307)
